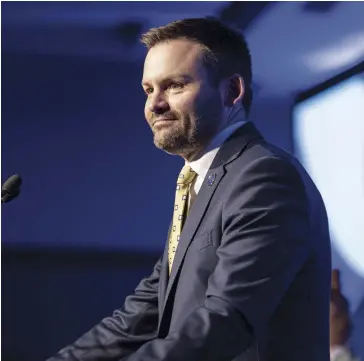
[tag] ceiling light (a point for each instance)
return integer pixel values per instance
(344, 54)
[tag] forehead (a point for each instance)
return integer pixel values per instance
(171, 58)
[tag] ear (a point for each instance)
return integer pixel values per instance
(235, 90)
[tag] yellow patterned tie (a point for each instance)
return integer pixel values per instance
(185, 178)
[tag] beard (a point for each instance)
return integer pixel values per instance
(188, 134)
(178, 136)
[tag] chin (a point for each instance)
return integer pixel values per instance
(166, 146)
(176, 147)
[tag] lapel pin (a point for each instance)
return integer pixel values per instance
(211, 179)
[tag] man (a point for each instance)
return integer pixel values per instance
(246, 275)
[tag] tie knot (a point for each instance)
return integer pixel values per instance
(186, 176)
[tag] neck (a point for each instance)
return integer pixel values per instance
(234, 115)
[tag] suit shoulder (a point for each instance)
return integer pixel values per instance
(262, 158)
(262, 152)
(264, 149)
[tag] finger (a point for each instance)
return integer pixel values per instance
(335, 279)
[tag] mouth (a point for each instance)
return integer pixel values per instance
(163, 121)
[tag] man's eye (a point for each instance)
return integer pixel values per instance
(148, 91)
(176, 86)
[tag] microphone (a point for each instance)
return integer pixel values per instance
(11, 188)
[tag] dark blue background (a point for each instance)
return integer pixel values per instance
(75, 131)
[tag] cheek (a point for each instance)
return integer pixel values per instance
(184, 103)
(147, 112)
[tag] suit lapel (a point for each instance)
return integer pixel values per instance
(163, 281)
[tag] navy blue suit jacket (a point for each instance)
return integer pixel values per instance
(251, 275)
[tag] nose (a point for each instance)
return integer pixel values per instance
(158, 103)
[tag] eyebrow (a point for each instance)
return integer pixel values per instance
(185, 77)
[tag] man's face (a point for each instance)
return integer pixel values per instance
(183, 108)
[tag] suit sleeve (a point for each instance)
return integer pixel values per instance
(264, 245)
(125, 331)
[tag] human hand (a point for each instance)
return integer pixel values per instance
(340, 322)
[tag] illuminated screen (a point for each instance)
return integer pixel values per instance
(328, 133)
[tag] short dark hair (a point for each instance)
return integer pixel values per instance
(226, 50)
